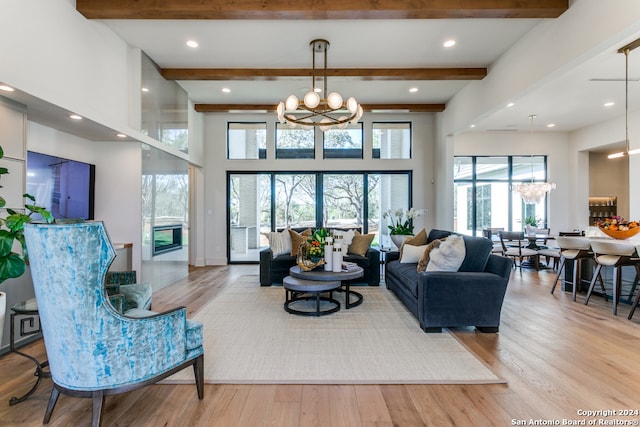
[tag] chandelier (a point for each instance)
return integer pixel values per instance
(327, 112)
(533, 192)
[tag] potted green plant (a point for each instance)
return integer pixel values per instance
(13, 264)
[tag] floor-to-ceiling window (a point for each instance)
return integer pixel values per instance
(483, 196)
(260, 202)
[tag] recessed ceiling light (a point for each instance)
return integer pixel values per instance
(6, 88)
(75, 117)
(472, 126)
(317, 90)
(226, 90)
(609, 104)
(511, 104)
(145, 89)
(121, 135)
(449, 43)
(551, 125)
(413, 90)
(192, 43)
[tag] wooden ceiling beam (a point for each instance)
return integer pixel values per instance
(319, 9)
(363, 73)
(225, 108)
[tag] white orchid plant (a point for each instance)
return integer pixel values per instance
(401, 220)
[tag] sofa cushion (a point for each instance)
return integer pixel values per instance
(297, 239)
(360, 244)
(411, 254)
(424, 259)
(280, 243)
(405, 274)
(448, 256)
(478, 250)
(419, 239)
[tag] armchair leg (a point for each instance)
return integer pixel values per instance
(198, 371)
(488, 329)
(53, 399)
(98, 402)
(432, 330)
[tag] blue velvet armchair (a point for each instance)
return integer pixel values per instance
(93, 350)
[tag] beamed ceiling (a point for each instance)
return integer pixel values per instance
(378, 49)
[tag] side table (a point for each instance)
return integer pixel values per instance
(29, 310)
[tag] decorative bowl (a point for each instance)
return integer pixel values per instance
(620, 235)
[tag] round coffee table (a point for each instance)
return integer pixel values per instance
(305, 290)
(330, 276)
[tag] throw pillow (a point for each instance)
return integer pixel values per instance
(360, 244)
(412, 254)
(448, 256)
(347, 236)
(297, 239)
(424, 259)
(280, 243)
(419, 239)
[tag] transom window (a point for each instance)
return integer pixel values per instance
(246, 141)
(391, 140)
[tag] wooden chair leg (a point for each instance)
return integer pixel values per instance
(53, 399)
(98, 402)
(198, 371)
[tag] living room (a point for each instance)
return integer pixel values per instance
(93, 69)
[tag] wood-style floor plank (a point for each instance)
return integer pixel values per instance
(557, 356)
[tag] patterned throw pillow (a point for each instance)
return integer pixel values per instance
(297, 239)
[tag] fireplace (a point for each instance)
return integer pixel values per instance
(166, 238)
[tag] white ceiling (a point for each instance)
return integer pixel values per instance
(571, 100)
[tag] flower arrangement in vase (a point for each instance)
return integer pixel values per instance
(401, 226)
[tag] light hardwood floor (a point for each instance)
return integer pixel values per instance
(559, 357)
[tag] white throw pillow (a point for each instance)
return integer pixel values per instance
(412, 254)
(280, 243)
(347, 237)
(448, 256)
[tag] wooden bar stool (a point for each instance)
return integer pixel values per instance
(572, 249)
(616, 255)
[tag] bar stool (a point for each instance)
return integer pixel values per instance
(616, 255)
(573, 249)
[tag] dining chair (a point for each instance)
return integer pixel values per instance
(573, 249)
(492, 234)
(512, 246)
(616, 255)
(93, 350)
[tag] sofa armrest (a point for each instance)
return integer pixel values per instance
(374, 266)
(266, 256)
(392, 256)
(460, 298)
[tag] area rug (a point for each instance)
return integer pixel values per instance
(250, 339)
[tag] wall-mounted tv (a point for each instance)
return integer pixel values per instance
(64, 187)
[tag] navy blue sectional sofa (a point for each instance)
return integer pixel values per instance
(471, 296)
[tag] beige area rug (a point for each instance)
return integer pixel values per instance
(249, 338)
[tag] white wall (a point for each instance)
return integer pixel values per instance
(554, 145)
(118, 184)
(216, 166)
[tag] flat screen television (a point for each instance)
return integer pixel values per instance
(65, 187)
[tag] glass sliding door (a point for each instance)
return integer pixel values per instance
(295, 201)
(249, 215)
(343, 201)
